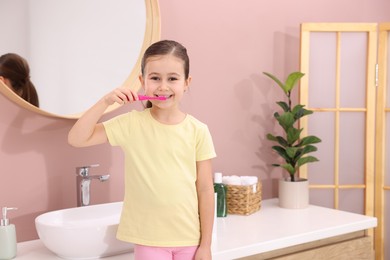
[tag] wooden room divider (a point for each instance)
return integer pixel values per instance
(345, 85)
(382, 151)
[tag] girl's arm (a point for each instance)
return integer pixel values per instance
(205, 190)
(87, 131)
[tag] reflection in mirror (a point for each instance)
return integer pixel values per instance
(78, 50)
(15, 74)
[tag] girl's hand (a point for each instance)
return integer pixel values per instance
(121, 96)
(203, 253)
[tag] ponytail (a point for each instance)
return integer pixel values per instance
(29, 93)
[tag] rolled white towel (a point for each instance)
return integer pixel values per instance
(249, 180)
(231, 180)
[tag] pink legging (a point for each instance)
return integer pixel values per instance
(164, 253)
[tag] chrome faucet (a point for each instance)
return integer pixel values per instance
(84, 182)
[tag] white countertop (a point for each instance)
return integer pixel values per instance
(269, 229)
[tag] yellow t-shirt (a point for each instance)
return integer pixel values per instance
(160, 205)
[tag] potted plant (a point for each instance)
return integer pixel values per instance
(291, 146)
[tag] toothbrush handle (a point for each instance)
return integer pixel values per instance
(142, 97)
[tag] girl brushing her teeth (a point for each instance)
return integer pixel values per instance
(168, 208)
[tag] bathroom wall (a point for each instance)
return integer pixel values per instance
(230, 44)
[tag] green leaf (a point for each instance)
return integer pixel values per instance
(293, 135)
(283, 142)
(291, 151)
(299, 111)
(286, 120)
(297, 108)
(307, 159)
(308, 149)
(276, 115)
(279, 139)
(283, 105)
(305, 150)
(282, 152)
(311, 139)
(289, 168)
(276, 80)
(271, 137)
(292, 80)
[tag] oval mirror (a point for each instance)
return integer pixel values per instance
(77, 50)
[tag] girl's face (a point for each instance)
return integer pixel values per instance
(164, 76)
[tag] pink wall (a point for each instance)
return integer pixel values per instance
(230, 44)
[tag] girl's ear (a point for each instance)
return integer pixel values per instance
(187, 83)
(141, 79)
(2, 79)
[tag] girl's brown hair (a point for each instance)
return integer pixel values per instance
(15, 68)
(165, 47)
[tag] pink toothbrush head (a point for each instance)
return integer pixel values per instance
(142, 97)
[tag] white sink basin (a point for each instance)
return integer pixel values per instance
(82, 233)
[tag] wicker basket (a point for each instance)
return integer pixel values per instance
(243, 200)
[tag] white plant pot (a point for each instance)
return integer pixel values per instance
(293, 195)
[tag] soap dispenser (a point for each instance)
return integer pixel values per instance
(7, 236)
(221, 190)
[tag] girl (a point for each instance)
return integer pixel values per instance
(168, 205)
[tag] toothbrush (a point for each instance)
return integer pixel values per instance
(142, 97)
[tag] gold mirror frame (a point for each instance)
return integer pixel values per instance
(152, 34)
